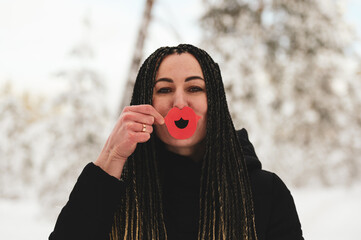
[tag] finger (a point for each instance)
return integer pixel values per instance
(141, 137)
(131, 116)
(145, 128)
(150, 110)
(138, 127)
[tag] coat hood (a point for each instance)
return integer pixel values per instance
(250, 156)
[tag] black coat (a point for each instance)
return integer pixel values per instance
(89, 212)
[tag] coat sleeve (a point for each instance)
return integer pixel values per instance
(284, 222)
(89, 212)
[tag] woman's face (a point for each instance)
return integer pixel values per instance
(179, 83)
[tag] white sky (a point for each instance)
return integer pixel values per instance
(37, 35)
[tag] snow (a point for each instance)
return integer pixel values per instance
(330, 214)
(21, 219)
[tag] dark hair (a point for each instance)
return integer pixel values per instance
(226, 206)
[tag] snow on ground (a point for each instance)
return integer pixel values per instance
(329, 214)
(325, 214)
(20, 220)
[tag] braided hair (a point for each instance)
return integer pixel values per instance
(226, 206)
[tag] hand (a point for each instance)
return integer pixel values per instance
(133, 126)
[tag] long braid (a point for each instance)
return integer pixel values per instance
(226, 206)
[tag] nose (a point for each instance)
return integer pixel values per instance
(179, 100)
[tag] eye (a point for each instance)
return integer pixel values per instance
(164, 90)
(195, 89)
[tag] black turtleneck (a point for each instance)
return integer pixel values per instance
(180, 178)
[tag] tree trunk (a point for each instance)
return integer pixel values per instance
(137, 55)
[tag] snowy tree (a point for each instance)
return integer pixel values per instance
(291, 79)
(18, 114)
(76, 129)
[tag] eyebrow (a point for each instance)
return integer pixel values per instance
(186, 80)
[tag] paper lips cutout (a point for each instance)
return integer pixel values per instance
(181, 123)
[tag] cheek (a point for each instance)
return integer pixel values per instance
(203, 113)
(157, 105)
(162, 105)
(202, 107)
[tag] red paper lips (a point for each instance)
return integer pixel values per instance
(181, 123)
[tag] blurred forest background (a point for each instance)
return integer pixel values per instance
(292, 71)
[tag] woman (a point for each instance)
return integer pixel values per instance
(148, 184)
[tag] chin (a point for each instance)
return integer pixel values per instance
(190, 142)
(165, 137)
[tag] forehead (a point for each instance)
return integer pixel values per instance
(179, 64)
